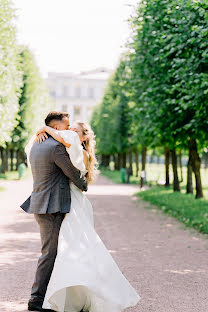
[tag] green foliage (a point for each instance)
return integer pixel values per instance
(13, 175)
(110, 120)
(169, 70)
(115, 176)
(24, 99)
(181, 206)
(34, 102)
(10, 75)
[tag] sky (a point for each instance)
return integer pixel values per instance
(74, 35)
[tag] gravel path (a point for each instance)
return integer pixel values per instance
(166, 263)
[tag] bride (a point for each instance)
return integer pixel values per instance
(85, 277)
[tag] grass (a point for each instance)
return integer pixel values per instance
(154, 174)
(115, 176)
(184, 207)
(13, 175)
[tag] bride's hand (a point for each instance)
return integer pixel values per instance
(41, 131)
(42, 137)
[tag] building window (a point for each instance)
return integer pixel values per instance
(89, 112)
(77, 92)
(77, 111)
(65, 91)
(91, 92)
(53, 93)
(64, 108)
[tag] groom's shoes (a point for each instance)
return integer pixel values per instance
(36, 305)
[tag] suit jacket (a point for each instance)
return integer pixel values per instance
(52, 171)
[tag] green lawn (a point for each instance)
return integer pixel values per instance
(184, 207)
(13, 175)
(115, 176)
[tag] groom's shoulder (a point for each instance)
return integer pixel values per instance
(51, 141)
(48, 144)
(55, 145)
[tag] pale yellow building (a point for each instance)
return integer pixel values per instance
(78, 94)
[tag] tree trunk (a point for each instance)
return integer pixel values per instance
(206, 160)
(181, 166)
(107, 160)
(151, 157)
(143, 173)
(23, 160)
(167, 166)
(196, 164)
(119, 161)
(3, 167)
(123, 160)
(116, 162)
(18, 159)
(130, 161)
(189, 186)
(7, 159)
(12, 160)
(137, 161)
(176, 185)
(102, 160)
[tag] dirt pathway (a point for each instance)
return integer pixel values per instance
(167, 264)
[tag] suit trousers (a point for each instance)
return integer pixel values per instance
(49, 231)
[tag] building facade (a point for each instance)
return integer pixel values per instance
(78, 94)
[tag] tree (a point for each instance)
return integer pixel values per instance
(110, 119)
(169, 68)
(34, 103)
(10, 75)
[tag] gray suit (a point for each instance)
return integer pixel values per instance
(52, 171)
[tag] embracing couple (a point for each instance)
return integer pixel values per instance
(75, 271)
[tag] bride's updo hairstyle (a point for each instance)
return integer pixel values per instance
(89, 146)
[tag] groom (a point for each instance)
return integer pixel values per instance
(52, 170)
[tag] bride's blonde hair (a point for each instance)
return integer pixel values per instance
(89, 146)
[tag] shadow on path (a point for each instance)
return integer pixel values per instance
(164, 262)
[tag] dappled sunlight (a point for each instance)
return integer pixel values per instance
(112, 251)
(19, 232)
(186, 271)
(19, 249)
(119, 190)
(195, 238)
(168, 225)
(6, 306)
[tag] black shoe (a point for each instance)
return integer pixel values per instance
(34, 307)
(35, 304)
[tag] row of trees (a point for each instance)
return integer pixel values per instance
(24, 98)
(158, 95)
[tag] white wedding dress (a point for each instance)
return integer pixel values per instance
(85, 276)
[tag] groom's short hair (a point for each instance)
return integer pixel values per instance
(54, 115)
